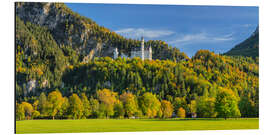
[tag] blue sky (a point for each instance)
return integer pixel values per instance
(189, 28)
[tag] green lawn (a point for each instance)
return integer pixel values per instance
(127, 125)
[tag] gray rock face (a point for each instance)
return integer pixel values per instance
(44, 84)
(67, 27)
(31, 86)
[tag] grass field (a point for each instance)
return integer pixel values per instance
(127, 125)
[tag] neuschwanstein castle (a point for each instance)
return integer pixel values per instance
(136, 52)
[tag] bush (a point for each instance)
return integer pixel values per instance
(181, 113)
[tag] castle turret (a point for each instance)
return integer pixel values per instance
(115, 53)
(142, 49)
(150, 53)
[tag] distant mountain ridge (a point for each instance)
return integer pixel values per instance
(249, 47)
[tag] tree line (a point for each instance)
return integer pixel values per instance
(108, 104)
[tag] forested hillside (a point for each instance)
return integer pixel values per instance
(198, 86)
(50, 37)
(53, 79)
(84, 35)
(249, 47)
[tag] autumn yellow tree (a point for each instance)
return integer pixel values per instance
(119, 110)
(226, 104)
(130, 103)
(166, 108)
(28, 109)
(150, 105)
(65, 106)
(206, 107)
(20, 112)
(42, 104)
(181, 113)
(107, 99)
(86, 106)
(76, 106)
(55, 101)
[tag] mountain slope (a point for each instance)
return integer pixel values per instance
(84, 35)
(249, 47)
(50, 38)
(40, 62)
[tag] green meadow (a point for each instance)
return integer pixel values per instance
(129, 125)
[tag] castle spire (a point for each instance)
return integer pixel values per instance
(142, 48)
(115, 53)
(150, 53)
(142, 43)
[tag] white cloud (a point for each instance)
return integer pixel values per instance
(246, 25)
(227, 37)
(148, 33)
(200, 38)
(189, 38)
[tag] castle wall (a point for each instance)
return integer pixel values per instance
(136, 54)
(139, 53)
(146, 54)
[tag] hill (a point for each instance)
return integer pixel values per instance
(50, 37)
(249, 47)
(84, 35)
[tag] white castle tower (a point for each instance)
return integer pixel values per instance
(150, 53)
(142, 49)
(115, 53)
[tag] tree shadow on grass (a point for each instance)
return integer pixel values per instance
(186, 119)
